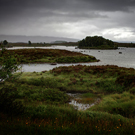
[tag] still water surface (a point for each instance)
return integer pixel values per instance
(107, 57)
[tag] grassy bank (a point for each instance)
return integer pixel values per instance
(48, 56)
(37, 103)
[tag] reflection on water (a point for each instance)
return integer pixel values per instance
(107, 57)
(78, 105)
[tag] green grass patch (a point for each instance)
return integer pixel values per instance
(123, 104)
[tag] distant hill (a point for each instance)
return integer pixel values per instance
(35, 39)
(59, 42)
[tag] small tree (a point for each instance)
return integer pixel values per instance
(5, 42)
(8, 94)
(29, 42)
(8, 65)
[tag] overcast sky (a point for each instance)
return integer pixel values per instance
(112, 19)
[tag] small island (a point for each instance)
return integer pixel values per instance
(96, 42)
(48, 56)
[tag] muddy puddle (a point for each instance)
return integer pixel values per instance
(81, 106)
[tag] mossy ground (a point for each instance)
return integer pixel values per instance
(46, 108)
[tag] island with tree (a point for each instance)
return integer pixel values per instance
(96, 42)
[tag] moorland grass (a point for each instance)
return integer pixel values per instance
(46, 108)
(48, 56)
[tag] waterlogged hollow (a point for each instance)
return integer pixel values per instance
(78, 105)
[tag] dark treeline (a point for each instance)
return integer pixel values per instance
(126, 44)
(96, 42)
(31, 44)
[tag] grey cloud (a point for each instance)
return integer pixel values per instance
(18, 8)
(60, 9)
(133, 31)
(103, 14)
(66, 3)
(111, 5)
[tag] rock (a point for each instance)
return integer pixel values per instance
(44, 71)
(53, 63)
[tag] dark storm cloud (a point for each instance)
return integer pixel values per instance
(51, 4)
(111, 5)
(64, 9)
(55, 15)
(18, 7)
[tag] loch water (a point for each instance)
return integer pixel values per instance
(122, 57)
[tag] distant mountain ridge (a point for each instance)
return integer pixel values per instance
(35, 39)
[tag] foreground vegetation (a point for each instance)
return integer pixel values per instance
(47, 56)
(37, 103)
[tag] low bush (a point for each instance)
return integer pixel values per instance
(126, 80)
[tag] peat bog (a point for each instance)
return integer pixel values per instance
(49, 56)
(38, 103)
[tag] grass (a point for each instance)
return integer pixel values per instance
(43, 103)
(122, 104)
